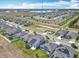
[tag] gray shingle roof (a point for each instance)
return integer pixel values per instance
(72, 35)
(20, 34)
(50, 47)
(38, 41)
(26, 37)
(63, 51)
(62, 32)
(13, 30)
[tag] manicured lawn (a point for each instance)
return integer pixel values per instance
(33, 53)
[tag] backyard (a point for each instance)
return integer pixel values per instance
(8, 36)
(33, 53)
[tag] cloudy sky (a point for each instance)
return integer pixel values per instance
(37, 4)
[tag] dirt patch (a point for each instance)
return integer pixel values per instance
(7, 50)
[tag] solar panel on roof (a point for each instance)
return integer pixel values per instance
(32, 41)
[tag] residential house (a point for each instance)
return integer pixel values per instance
(71, 36)
(3, 26)
(61, 33)
(49, 47)
(27, 16)
(34, 41)
(13, 31)
(18, 21)
(25, 23)
(26, 37)
(21, 34)
(63, 51)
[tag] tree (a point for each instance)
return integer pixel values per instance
(27, 46)
(78, 32)
(35, 33)
(47, 37)
(74, 46)
(37, 55)
(75, 55)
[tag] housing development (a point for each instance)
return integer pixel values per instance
(48, 33)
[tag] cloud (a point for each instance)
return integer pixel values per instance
(56, 3)
(37, 5)
(74, 4)
(74, 0)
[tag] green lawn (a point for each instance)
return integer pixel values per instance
(33, 28)
(2, 32)
(77, 41)
(12, 38)
(77, 52)
(33, 53)
(66, 25)
(66, 22)
(77, 23)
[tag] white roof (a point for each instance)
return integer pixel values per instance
(59, 38)
(71, 42)
(58, 43)
(33, 48)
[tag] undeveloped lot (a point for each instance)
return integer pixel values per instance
(7, 50)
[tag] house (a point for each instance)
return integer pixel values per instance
(27, 16)
(63, 51)
(18, 34)
(71, 36)
(18, 21)
(21, 34)
(26, 37)
(62, 33)
(13, 31)
(3, 26)
(25, 23)
(49, 47)
(34, 41)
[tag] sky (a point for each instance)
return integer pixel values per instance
(37, 4)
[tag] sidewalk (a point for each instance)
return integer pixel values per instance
(5, 38)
